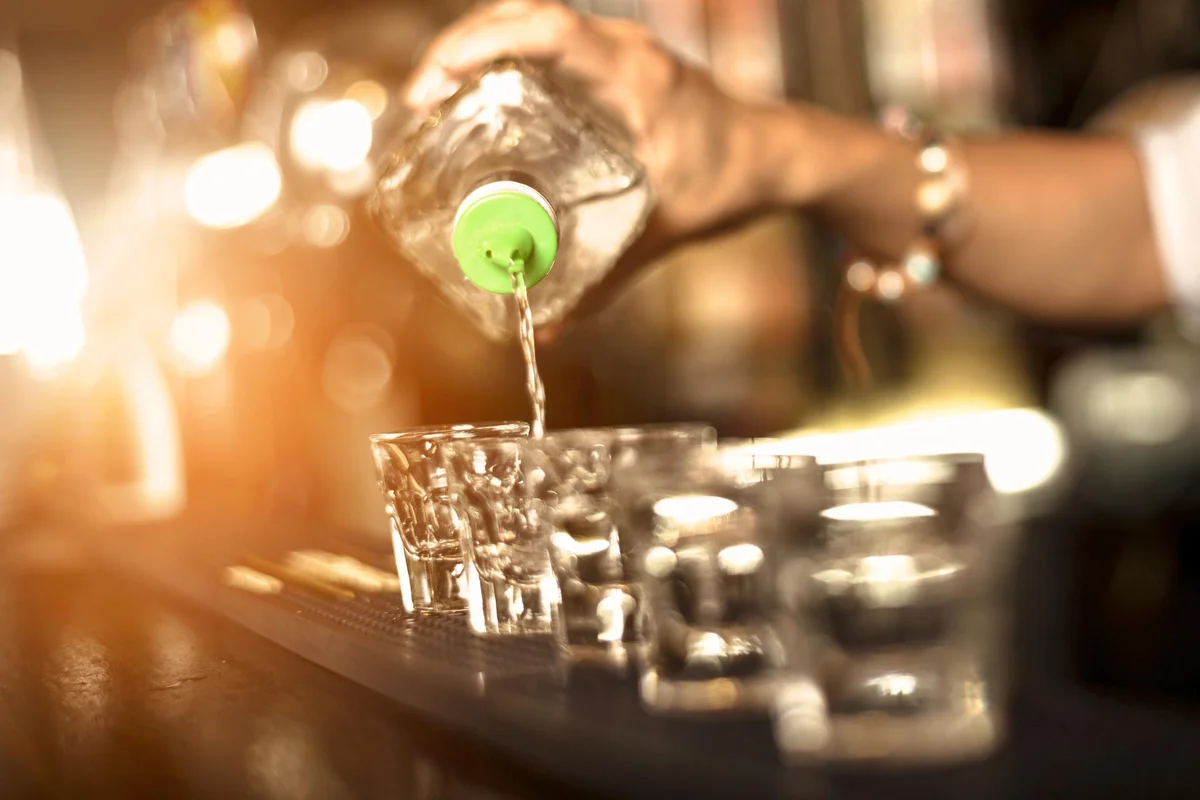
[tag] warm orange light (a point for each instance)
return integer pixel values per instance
(232, 187)
(157, 490)
(357, 370)
(371, 94)
(200, 337)
(43, 279)
(1024, 448)
(334, 136)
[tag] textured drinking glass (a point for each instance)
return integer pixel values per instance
(708, 581)
(593, 547)
(901, 601)
(505, 536)
(425, 519)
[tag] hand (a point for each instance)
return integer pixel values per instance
(699, 146)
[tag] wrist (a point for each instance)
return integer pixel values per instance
(811, 157)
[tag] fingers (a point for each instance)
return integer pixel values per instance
(542, 32)
(522, 28)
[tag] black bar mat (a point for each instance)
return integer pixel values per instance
(588, 728)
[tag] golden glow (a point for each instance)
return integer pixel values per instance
(334, 136)
(43, 279)
(659, 561)
(357, 370)
(200, 337)
(306, 71)
(692, 509)
(740, 559)
(232, 187)
(325, 226)
(371, 95)
(253, 581)
(157, 491)
(894, 684)
(233, 42)
(877, 512)
(1023, 448)
(889, 473)
(566, 543)
(266, 321)
(55, 343)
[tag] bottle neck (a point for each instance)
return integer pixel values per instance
(496, 187)
(502, 228)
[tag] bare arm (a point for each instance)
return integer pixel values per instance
(1059, 226)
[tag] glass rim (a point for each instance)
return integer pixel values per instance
(450, 433)
(633, 432)
(955, 457)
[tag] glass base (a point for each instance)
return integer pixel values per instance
(499, 607)
(429, 586)
(925, 739)
(913, 706)
(616, 658)
(663, 695)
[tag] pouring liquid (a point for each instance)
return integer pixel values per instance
(533, 378)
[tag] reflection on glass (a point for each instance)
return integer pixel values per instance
(232, 187)
(900, 603)
(713, 644)
(510, 587)
(426, 516)
(579, 475)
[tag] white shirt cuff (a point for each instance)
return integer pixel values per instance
(1171, 159)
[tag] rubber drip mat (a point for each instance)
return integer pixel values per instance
(588, 728)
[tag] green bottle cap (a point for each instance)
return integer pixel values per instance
(501, 228)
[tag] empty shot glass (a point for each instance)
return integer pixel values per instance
(425, 522)
(593, 546)
(708, 579)
(504, 534)
(902, 599)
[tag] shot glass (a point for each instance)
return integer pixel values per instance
(593, 546)
(901, 603)
(504, 535)
(709, 581)
(424, 515)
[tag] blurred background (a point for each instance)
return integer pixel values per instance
(196, 315)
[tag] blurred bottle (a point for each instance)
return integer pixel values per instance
(516, 172)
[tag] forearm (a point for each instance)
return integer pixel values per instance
(1057, 227)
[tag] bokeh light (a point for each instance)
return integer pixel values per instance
(357, 369)
(43, 279)
(334, 136)
(1024, 449)
(371, 94)
(200, 337)
(306, 71)
(325, 226)
(265, 322)
(232, 187)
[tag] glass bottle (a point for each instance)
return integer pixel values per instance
(517, 172)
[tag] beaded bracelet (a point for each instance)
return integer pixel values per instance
(939, 199)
